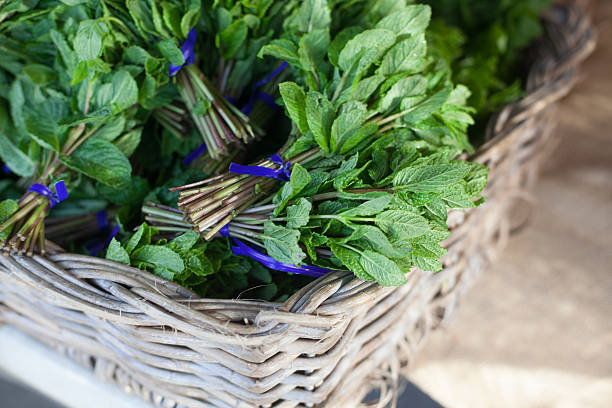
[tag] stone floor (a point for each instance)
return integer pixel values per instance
(536, 330)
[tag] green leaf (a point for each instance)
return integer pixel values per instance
(365, 48)
(455, 196)
(371, 207)
(171, 13)
(19, 162)
(320, 114)
(402, 224)
(282, 49)
(40, 74)
(141, 16)
(135, 239)
(430, 178)
(115, 252)
(134, 194)
(43, 128)
(7, 209)
(163, 261)
(282, 243)
(413, 87)
(356, 138)
(231, 39)
(298, 214)
(191, 17)
(299, 180)
(406, 56)
(381, 268)
(124, 91)
(339, 42)
(183, 243)
(171, 51)
(102, 161)
(88, 40)
(350, 259)
(313, 48)
(412, 19)
(366, 87)
(295, 102)
(128, 142)
(313, 14)
(348, 122)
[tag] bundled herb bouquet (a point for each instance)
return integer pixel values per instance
(262, 143)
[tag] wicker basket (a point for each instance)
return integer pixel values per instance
(330, 343)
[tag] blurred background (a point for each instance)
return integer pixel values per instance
(536, 329)
(534, 332)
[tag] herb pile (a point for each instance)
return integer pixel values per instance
(347, 118)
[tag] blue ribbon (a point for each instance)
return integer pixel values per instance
(102, 219)
(187, 48)
(97, 245)
(266, 98)
(282, 174)
(240, 248)
(243, 249)
(55, 198)
(6, 169)
(197, 152)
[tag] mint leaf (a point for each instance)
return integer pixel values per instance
(231, 38)
(14, 158)
(295, 102)
(298, 213)
(371, 207)
(88, 40)
(402, 224)
(412, 19)
(115, 252)
(7, 209)
(312, 49)
(171, 51)
(348, 122)
(299, 180)
(320, 115)
(282, 49)
(365, 48)
(430, 178)
(282, 243)
(350, 259)
(381, 268)
(313, 14)
(406, 56)
(162, 261)
(101, 161)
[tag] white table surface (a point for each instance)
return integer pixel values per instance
(57, 377)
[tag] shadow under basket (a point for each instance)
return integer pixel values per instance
(331, 343)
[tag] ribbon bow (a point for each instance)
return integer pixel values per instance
(187, 48)
(282, 174)
(55, 198)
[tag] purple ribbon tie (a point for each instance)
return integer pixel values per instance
(102, 219)
(224, 232)
(282, 174)
(97, 245)
(187, 48)
(54, 198)
(197, 152)
(262, 96)
(241, 248)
